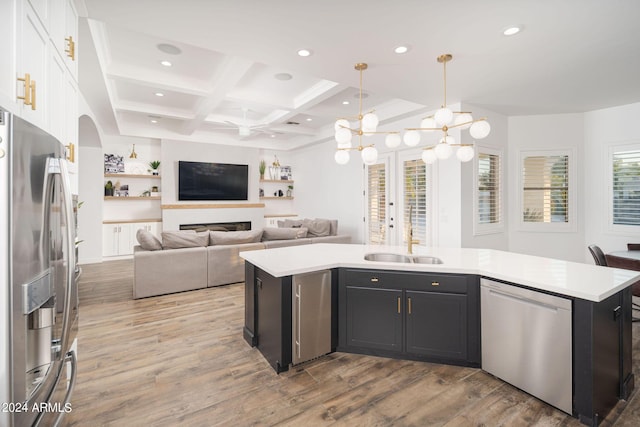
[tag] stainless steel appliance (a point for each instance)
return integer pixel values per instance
(311, 326)
(38, 277)
(526, 341)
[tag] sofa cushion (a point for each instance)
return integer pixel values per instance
(234, 237)
(148, 241)
(317, 227)
(272, 233)
(184, 239)
(333, 226)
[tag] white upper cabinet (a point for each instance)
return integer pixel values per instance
(39, 64)
(32, 59)
(8, 28)
(64, 32)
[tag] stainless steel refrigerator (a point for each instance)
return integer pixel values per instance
(38, 277)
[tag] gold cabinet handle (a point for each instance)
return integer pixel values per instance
(27, 89)
(71, 49)
(409, 301)
(71, 152)
(398, 305)
(33, 94)
(435, 284)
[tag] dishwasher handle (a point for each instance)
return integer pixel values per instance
(524, 300)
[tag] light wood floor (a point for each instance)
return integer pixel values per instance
(180, 360)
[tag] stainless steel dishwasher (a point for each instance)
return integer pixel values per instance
(311, 325)
(526, 341)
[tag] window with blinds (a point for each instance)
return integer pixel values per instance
(488, 196)
(545, 191)
(377, 203)
(626, 187)
(415, 194)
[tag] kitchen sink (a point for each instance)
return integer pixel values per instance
(426, 260)
(391, 257)
(387, 257)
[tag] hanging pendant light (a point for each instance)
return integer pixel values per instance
(133, 154)
(443, 120)
(366, 125)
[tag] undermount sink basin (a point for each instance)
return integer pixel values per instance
(386, 257)
(390, 257)
(426, 260)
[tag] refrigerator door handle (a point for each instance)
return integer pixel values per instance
(70, 357)
(59, 166)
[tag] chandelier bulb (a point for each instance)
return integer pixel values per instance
(341, 157)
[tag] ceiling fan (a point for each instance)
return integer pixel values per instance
(243, 128)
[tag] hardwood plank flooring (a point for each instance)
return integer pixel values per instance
(180, 360)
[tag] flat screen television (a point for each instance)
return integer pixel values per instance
(212, 181)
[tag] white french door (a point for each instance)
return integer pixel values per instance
(397, 182)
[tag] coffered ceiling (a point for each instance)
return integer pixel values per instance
(237, 66)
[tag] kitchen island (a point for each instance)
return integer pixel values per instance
(436, 313)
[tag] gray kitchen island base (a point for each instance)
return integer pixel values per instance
(436, 318)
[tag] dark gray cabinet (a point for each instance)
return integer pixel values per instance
(437, 324)
(419, 316)
(374, 318)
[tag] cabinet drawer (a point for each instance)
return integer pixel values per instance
(447, 283)
(451, 284)
(379, 278)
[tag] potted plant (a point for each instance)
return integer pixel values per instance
(108, 188)
(289, 190)
(261, 168)
(154, 165)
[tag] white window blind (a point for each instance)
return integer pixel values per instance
(626, 187)
(415, 194)
(489, 203)
(377, 203)
(545, 195)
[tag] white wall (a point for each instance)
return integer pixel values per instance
(539, 133)
(497, 139)
(90, 214)
(324, 189)
(601, 129)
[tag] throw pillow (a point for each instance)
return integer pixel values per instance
(184, 239)
(317, 227)
(234, 237)
(272, 233)
(148, 241)
(292, 223)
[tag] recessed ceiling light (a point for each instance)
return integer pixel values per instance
(512, 30)
(273, 135)
(401, 49)
(166, 63)
(159, 94)
(283, 76)
(345, 102)
(304, 52)
(309, 119)
(153, 121)
(169, 48)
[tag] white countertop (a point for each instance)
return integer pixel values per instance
(590, 282)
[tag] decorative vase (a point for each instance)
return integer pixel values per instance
(288, 193)
(274, 172)
(155, 172)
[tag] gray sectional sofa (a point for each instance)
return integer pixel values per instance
(187, 260)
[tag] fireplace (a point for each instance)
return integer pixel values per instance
(218, 226)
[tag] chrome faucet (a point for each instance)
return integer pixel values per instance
(410, 241)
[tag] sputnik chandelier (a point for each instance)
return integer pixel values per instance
(366, 126)
(443, 120)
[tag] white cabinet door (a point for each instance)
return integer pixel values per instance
(70, 52)
(56, 95)
(32, 54)
(116, 240)
(154, 228)
(109, 240)
(8, 22)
